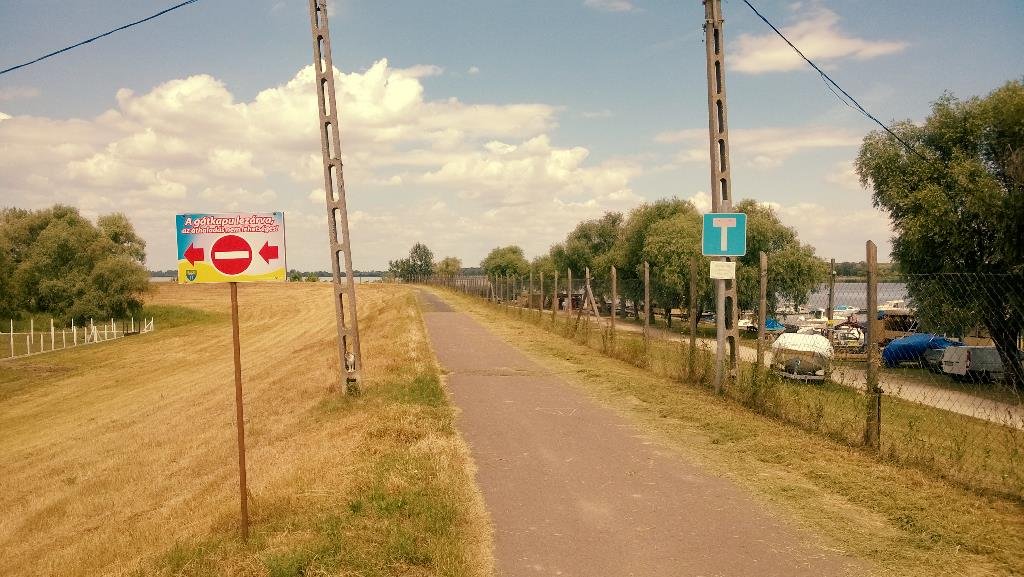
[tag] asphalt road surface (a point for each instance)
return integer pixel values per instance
(575, 490)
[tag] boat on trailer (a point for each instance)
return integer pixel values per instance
(802, 357)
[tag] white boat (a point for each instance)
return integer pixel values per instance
(802, 357)
(895, 306)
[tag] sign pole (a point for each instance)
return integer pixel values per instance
(239, 416)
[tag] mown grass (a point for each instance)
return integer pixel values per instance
(375, 484)
(908, 520)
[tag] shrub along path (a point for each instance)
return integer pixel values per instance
(573, 489)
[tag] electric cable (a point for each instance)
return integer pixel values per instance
(118, 29)
(830, 83)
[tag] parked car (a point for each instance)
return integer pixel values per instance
(976, 364)
(931, 359)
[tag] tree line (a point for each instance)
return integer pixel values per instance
(56, 262)
(667, 235)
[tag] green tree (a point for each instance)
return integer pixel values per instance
(311, 277)
(418, 265)
(294, 276)
(956, 202)
(505, 260)
(670, 245)
(793, 269)
(58, 263)
(449, 266)
(588, 245)
(544, 264)
(627, 253)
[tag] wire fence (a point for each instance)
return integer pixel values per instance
(26, 337)
(945, 351)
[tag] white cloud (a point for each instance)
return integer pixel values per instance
(18, 92)
(836, 234)
(604, 113)
(473, 70)
(701, 200)
(610, 5)
(844, 175)
(760, 147)
(463, 177)
(817, 35)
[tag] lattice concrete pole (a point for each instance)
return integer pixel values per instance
(32, 330)
(53, 336)
(337, 209)
(74, 333)
(873, 424)
(12, 337)
(726, 310)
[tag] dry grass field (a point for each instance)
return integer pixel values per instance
(120, 458)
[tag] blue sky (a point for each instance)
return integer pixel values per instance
(469, 125)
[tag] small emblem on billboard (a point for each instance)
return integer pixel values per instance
(190, 275)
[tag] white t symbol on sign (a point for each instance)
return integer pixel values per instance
(724, 224)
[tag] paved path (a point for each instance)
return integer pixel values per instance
(575, 490)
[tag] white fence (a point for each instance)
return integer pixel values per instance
(48, 339)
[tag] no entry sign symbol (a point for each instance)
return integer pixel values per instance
(231, 254)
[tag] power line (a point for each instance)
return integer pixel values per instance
(118, 29)
(830, 83)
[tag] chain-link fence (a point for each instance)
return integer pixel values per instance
(945, 351)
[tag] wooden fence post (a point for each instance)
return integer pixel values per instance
(554, 299)
(530, 304)
(692, 360)
(831, 292)
(647, 299)
(762, 311)
(873, 424)
(540, 305)
(615, 299)
(569, 292)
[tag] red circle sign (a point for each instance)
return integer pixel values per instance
(231, 254)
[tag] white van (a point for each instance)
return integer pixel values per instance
(976, 364)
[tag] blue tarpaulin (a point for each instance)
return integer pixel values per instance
(911, 347)
(771, 324)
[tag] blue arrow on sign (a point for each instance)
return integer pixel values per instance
(724, 234)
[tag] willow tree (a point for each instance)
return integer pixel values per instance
(954, 190)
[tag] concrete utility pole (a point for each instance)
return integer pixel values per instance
(726, 310)
(334, 186)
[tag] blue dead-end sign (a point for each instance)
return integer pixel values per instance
(724, 234)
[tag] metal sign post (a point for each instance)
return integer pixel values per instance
(239, 414)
